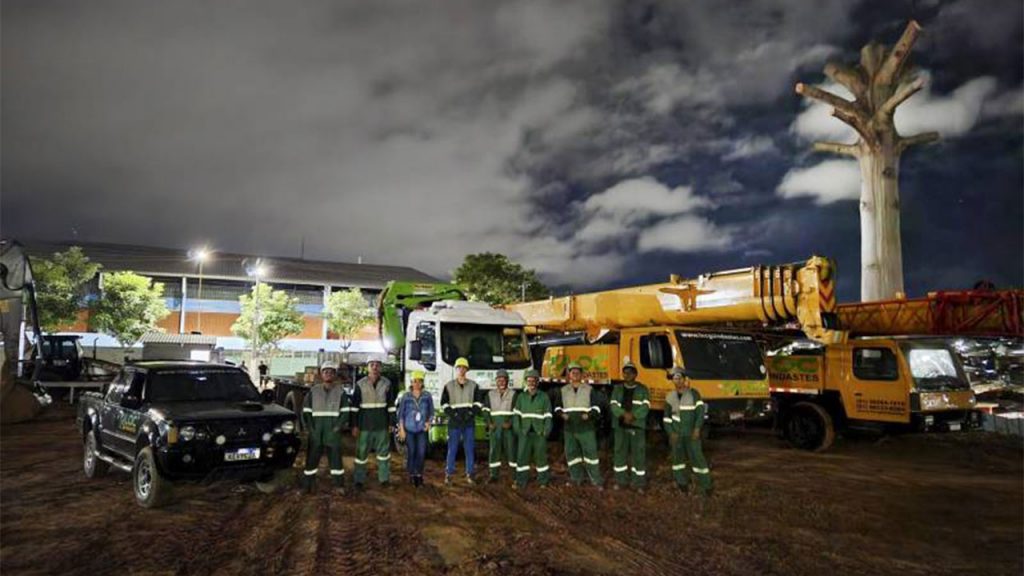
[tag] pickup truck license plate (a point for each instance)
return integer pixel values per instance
(242, 454)
(954, 426)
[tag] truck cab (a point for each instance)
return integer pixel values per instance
(881, 383)
(490, 339)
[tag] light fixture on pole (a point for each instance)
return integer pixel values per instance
(200, 255)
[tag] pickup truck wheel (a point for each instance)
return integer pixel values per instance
(809, 427)
(275, 481)
(91, 463)
(151, 489)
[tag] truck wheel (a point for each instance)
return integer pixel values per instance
(275, 481)
(151, 489)
(809, 427)
(91, 463)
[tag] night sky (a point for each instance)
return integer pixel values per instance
(602, 143)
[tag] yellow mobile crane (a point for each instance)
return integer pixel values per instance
(701, 324)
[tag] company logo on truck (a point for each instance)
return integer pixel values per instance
(795, 369)
(595, 366)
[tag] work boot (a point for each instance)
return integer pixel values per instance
(469, 480)
(309, 484)
(683, 488)
(385, 485)
(358, 486)
(447, 480)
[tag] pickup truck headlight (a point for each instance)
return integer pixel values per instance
(288, 426)
(187, 433)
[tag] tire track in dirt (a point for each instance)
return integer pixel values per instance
(211, 545)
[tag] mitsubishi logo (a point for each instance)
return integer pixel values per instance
(241, 432)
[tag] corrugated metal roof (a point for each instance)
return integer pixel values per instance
(173, 262)
(184, 339)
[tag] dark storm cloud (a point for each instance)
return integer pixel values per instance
(412, 133)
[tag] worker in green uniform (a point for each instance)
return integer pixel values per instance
(531, 423)
(497, 412)
(579, 406)
(684, 417)
(325, 411)
(373, 403)
(629, 405)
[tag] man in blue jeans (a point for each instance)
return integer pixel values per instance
(415, 411)
(460, 402)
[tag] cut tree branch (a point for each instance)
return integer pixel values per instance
(838, 148)
(848, 76)
(899, 53)
(906, 90)
(923, 138)
(826, 97)
(854, 121)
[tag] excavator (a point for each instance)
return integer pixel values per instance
(704, 324)
(19, 400)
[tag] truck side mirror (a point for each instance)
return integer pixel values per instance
(415, 350)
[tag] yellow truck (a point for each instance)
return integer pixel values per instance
(880, 378)
(701, 324)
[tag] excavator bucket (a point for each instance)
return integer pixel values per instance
(19, 400)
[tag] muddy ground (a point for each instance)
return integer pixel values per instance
(948, 504)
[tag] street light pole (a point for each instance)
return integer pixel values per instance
(199, 299)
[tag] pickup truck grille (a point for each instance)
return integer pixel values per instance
(240, 431)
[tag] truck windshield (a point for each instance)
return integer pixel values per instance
(934, 369)
(710, 356)
(486, 347)
(200, 386)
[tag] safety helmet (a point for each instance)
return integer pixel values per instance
(628, 365)
(531, 374)
(462, 362)
(329, 365)
(417, 375)
(501, 374)
(372, 360)
(678, 371)
(573, 366)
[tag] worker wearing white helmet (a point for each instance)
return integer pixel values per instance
(325, 412)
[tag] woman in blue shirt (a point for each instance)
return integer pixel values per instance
(415, 411)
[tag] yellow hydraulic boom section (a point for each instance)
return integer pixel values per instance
(802, 293)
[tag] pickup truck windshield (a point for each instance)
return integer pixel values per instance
(934, 369)
(486, 347)
(200, 385)
(709, 356)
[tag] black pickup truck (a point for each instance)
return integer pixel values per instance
(165, 421)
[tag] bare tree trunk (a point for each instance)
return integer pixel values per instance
(881, 276)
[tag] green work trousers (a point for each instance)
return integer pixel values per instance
(502, 450)
(580, 453)
(688, 462)
(314, 453)
(532, 446)
(376, 441)
(630, 457)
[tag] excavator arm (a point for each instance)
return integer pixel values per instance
(399, 298)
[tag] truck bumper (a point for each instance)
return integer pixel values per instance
(207, 462)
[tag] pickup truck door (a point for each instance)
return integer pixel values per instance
(121, 425)
(111, 437)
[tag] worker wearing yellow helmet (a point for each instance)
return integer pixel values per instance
(461, 403)
(415, 413)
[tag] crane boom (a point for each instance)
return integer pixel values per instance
(959, 313)
(763, 295)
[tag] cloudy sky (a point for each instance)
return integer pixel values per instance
(601, 143)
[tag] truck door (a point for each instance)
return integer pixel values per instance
(111, 436)
(875, 382)
(424, 341)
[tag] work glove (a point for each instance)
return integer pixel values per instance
(565, 416)
(401, 433)
(628, 418)
(586, 416)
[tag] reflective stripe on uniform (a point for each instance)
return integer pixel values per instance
(522, 468)
(543, 469)
(307, 410)
(369, 405)
(574, 461)
(457, 406)
(589, 461)
(495, 464)
(500, 412)
(678, 466)
(337, 472)
(666, 419)
(639, 472)
(327, 414)
(383, 458)
(621, 468)
(702, 470)
(537, 416)
(361, 462)
(310, 472)
(350, 409)
(581, 409)
(615, 403)
(392, 409)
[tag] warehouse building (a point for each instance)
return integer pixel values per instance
(202, 295)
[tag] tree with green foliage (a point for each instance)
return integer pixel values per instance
(274, 314)
(346, 313)
(129, 306)
(495, 279)
(60, 286)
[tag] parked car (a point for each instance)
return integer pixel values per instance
(171, 421)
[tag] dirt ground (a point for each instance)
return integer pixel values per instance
(946, 504)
